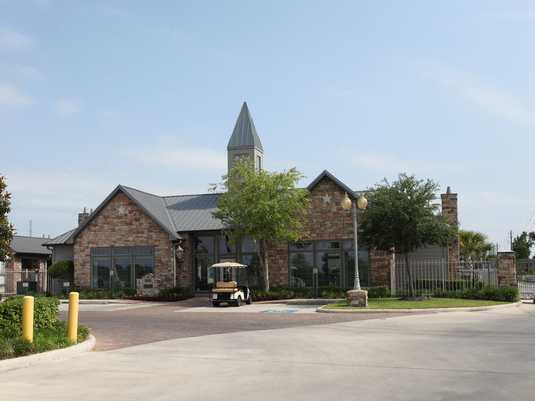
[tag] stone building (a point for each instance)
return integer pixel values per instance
(26, 268)
(135, 239)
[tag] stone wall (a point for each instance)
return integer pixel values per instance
(122, 223)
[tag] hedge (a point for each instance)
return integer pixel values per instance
(277, 293)
(45, 314)
(506, 294)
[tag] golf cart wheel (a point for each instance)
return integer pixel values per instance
(238, 302)
(215, 304)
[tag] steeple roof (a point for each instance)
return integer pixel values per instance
(244, 134)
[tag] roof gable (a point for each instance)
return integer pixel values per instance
(152, 205)
(328, 175)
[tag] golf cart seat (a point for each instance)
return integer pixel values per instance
(226, 284)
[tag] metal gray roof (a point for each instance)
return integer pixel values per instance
(193, 212)
(21, 244)
(60, 239)
(244, 134)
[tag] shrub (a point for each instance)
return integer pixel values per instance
(45, 314)
(118, 293)
(378, 292)
(63, 269)
(6, 347)
(506, 294)
(167, 295)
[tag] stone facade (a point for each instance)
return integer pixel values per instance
(506, 269)
(450, 212)
(122, 223)
(381, 263)
(325, 220)
(184, 269)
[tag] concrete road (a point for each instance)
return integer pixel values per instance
(481, 356)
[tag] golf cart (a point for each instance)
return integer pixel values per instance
(226, 289)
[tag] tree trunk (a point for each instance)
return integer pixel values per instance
(264, 264)
(409, 275)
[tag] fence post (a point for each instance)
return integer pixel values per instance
(72, 330)
(27, 318)
(506, 269)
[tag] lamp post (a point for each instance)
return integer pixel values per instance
(356, 296)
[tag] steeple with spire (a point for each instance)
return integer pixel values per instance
(245, 142)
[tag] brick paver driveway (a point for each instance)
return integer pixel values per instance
(121, 325)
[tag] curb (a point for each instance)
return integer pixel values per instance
(54, 355)
(323, 309)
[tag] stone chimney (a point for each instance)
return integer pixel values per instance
(82, 217)
(450, 212)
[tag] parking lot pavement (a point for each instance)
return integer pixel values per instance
(254, 308)
(118, 326)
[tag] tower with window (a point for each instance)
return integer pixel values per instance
(245, 142)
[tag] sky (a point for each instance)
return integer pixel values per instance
(99, 93)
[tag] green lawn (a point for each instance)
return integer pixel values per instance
(396, 303)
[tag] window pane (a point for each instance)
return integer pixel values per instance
(226, 247)
(251, 274)
(144, 271)
(329, 268)
(204, 277)
(101, 273)
(328, 244)
(248, 245)
(100, 251)
(301, 266)
(301, 246)
(204, 244)
(122, 272)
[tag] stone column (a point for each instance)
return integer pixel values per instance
(506, 269)
(381, 263)
(450, 212)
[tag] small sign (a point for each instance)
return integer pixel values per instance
(66, 284)
(25, 284)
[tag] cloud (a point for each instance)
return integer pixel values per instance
(172, 155)
(10, 95)
(66, 107)
(488, 98)
(392, 165)
(13, 40)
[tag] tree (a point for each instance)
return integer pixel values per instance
(6, 229)
(522, 244)
(402, 216)
(263, 206)
(473, 245)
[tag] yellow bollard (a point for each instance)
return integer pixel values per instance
(27, 318)
(72, 325)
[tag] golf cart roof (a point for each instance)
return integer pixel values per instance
(229, 264)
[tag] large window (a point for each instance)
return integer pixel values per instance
(122, 267)
(325, 264)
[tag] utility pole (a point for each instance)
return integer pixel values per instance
(511, 239)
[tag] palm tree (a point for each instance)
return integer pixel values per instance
(474, 245)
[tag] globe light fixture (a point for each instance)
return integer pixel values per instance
(346, 202)
(362, 202)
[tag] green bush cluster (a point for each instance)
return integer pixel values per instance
(63, 269)
(45, 314)
(447, 285)
(45, 339)
(277, 293)
(506, 294)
